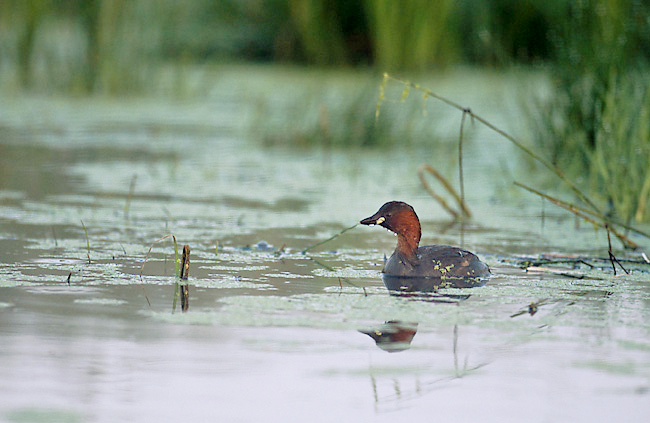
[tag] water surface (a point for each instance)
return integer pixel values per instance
(271, 333)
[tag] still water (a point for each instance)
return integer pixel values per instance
(88, 329)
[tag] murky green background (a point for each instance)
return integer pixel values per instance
(273, 334)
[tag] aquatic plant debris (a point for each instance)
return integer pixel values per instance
(184, 287)
(585, 215)
(464, 210)
(612, 257)
(176, 258)
(185, 262)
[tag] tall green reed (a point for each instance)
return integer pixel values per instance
(596, 126)
(412, 34)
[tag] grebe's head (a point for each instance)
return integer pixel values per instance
(393, 216)
(398, 217)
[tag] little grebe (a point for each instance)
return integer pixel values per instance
(443, 265)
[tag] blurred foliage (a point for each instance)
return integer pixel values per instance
(595, 122)
(412, 34)
(346, 116)
(113, 45)
(319, 28)
(500, 32)
(596, 126)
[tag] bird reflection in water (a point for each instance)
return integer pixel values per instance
(393, 336)
(392, 389)
(396, 336)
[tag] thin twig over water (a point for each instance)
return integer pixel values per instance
(501, 132)
(460, 162)
(612, 257)
(594, 210)
(130, 196)
(582, 213)
(329, 239)
(326, 267)
(464, 210)
(87, 241)
(176, 260)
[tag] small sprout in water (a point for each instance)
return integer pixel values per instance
(87, 241)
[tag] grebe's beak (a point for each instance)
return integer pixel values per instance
(373, 220)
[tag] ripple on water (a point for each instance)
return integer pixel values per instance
(101, 301)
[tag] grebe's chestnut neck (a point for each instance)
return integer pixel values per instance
(399, 217)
